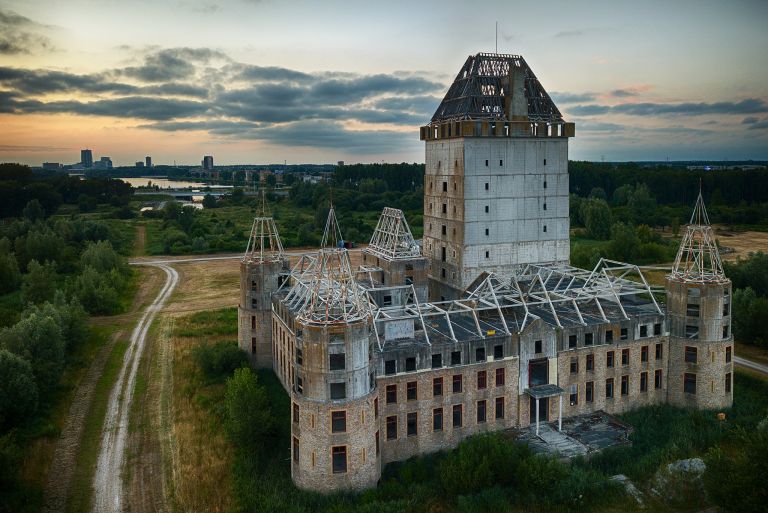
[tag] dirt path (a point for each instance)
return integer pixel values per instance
(148, 463)
(108, 477)
(65, 456)
(140, 242)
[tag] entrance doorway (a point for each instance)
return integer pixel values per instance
(543, 409)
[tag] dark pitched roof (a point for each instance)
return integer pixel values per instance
(479, 90)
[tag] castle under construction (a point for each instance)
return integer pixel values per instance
(484, 325)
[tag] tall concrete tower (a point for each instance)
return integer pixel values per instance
(334, 419)
(262, 270)
(496, 179)
(699, 308)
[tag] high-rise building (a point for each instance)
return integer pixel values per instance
(496, 179)
(148, 161)
(208, 163)
(139, 163)
(86, 158)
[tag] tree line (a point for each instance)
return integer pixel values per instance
(19, 185)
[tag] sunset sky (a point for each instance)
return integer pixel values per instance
(260, 81)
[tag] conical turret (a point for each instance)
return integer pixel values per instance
(262, 271)
(332, 295)
(698, 259)
(392, 237)
(264, 244)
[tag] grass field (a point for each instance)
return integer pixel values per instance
(201, 454)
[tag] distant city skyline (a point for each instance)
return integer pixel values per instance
(252, 81)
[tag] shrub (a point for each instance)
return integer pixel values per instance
(249, 421)
(18, 390)
(219, 360)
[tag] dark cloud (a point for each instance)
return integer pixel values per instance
(755, 123)
(10, 148)
(36, 82)
(268, 74)
(39, 82)
(214, 127)
(748, 106)
(141, 107)
(569, 33)
(172, 64)
(19, 35)
(624, 93)
(559, 97)
(425, 105)
(336, 91)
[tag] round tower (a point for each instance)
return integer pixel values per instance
(700, 373)
(334, 413)
(262, 271)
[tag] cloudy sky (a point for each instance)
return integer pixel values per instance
(259, 81)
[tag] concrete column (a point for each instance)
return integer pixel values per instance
(560, 413)
(537, 416)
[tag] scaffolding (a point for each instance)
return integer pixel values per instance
(478, 91)
(324, 290)
(392, 238)
(264, 244)
(698, 259)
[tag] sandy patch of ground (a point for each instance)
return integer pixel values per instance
(742, 243)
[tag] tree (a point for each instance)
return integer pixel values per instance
(34, 211)
(271, 180)
(749, 314)
(102, 257)
(623, 242)
(96, 291)
(70, 316)
(598, 193)
(249, 421)
(18, 390)
(642, 204)
(10, 277)
(597, 218)
(39, 284)
(38, 339)
(209, 201)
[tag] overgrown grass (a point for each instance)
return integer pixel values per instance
(208, 324)
(664, 433)
(202, 454)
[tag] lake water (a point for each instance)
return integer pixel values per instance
(165, 183)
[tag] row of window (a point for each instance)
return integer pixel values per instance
(692, 355)
(391, 366)
(457, 418)
(610, 358)
(457, 386)
(589, 387)
(689, 383)
(608, 337)
(456, 166)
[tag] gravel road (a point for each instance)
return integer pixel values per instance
(108, 479)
